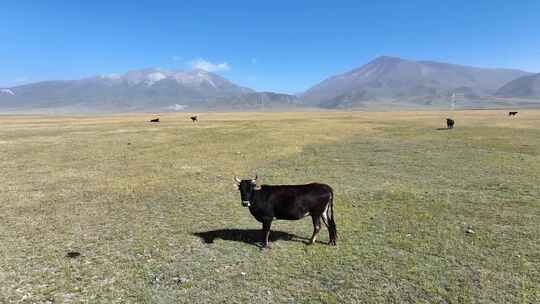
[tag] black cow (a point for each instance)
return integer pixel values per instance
(449, 123)
(154, 120)
(289, 202)
(194, 118)
(512, 113)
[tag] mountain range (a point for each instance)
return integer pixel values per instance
(390, 79)
(139, 90)
(386, 82)
(524, 87)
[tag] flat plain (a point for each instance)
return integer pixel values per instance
(424, 214)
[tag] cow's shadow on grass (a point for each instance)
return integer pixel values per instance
(443, 129)
(248, 236)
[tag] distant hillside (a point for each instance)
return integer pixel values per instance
(523, 87)
(263, 101)
(396, 79)
(140, 90)
(385, 83)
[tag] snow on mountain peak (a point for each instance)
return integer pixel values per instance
(7, 91)
(195, 77)
(151, 76)
(154, 77)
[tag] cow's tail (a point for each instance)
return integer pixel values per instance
(331, 223)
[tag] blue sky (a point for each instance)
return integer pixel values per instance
(283, 46)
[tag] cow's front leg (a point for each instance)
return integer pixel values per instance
(316, 228)
(266, 232)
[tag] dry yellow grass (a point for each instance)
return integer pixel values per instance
(134, 198)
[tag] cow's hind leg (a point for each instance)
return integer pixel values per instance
(328, 221)
(266, 231)
(316, 227)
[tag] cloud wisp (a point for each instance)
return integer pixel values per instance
(203, 64)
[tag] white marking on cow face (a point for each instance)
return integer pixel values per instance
(246, 203)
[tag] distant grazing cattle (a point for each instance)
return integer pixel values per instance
(194, 118)
(449, 123)
(289, 202)
(154, 120)
(73, 254)
(512, 113)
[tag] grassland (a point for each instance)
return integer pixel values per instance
(153, 212)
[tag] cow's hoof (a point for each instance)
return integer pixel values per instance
(332, 243)
(266, 246)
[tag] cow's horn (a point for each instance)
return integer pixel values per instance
(236, 179)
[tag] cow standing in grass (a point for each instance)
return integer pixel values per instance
(289, 202)
(449, 123)
(512, 113)
(194, 118)
(154, 120)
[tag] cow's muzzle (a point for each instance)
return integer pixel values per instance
(246, 204)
